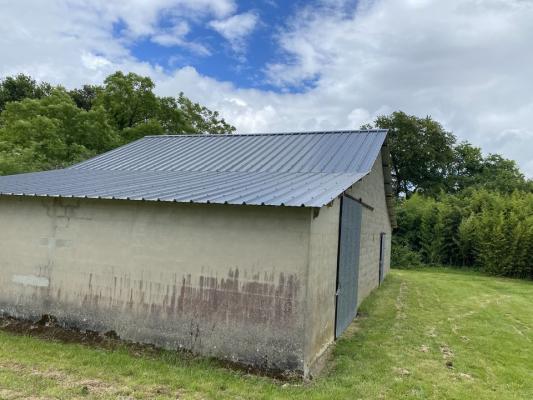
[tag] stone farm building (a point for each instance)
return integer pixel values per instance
(250, 248)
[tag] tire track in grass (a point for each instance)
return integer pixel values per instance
(400, 371)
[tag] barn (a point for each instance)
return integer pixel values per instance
(254, 248)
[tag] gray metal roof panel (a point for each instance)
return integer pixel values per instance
(296, 169)
(255, 188)
(337, 152)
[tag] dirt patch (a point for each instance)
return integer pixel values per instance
(355, 327)
(48, 328)
(6, 394)
(465, 376)
(402, 371)
(447, 355)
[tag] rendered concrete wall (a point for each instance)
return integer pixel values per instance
(321, 282)
(226, 281)
(324, 231)
(371, 190)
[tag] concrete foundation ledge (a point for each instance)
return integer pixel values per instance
(49, 327)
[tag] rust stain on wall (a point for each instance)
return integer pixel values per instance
(230, 299)
(264, 301)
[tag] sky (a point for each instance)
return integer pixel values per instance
(280, 65)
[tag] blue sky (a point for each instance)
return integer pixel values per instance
(243, 67)
(273, 65)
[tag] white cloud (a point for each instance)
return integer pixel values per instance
(465, 62)
(94, 62)
(236, 28)
(173, 36)
(141, 16)
(176, 36)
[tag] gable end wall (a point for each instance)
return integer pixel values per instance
(372, 192)
(323, 250)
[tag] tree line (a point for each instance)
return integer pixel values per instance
(45, 127)
(456, 206)
(484, 229)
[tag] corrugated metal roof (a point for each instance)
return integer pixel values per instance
(295, 169)
(331, 152)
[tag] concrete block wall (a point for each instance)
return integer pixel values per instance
(372, 192)
(321, 282)
(223, 281)
(320, 325)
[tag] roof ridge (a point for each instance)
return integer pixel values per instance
(181, 171)
(347, 131)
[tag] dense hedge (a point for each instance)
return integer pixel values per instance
(482, 229)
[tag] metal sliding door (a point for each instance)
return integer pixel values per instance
(348, 263)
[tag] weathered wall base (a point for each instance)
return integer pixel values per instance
(274, 345)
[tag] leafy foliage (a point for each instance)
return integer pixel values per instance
(51, 132)
(470, 169)
(44, 127)
(84, 97)
(200, 118)
(479, 228)
(19, 87)
(128, 100)
(403, 256)
(421, 151)
(426, 159)
(455, 205)
(135, 110)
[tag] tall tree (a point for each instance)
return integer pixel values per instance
(51, 132)
(201, 119)
(19, 87)
(501, 174)
(465, 167)
(85, 97)
(421, 152)
(135, 110)
(470, 170)
(42, 127)
(128, 99)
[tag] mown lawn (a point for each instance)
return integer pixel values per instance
(429, 334)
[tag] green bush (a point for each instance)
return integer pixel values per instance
(403, 257)
(484, 229)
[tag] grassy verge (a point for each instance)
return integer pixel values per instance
(424, 334)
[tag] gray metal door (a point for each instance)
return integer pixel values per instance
(348, 263)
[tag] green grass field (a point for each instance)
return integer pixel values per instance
(429, 334)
